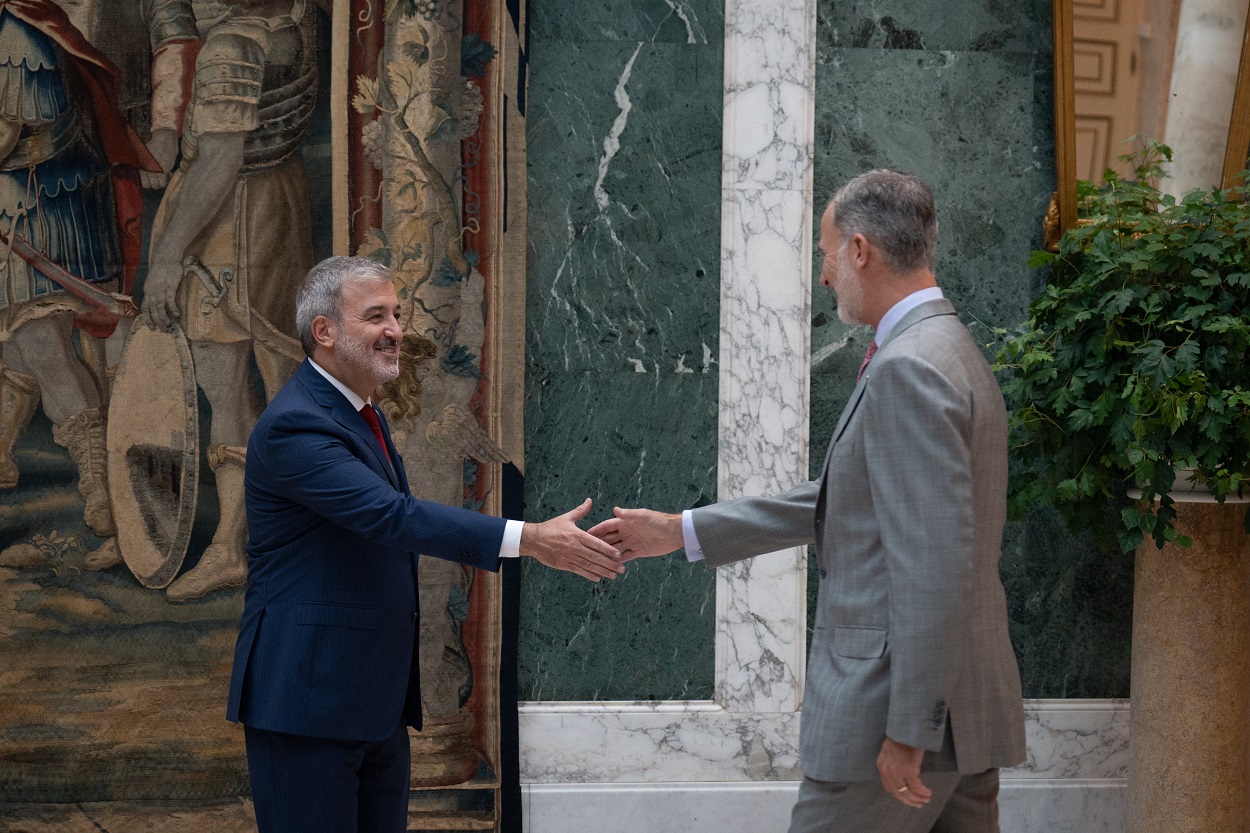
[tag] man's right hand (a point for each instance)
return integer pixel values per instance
(561, 544)
(160, 296)
(640, 533)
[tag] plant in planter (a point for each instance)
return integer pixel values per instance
(1133, 368)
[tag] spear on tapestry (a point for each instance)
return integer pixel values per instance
(120, 306)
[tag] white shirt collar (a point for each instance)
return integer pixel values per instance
(356, 401)
(895, 314)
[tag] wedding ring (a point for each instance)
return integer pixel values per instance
(901, 789)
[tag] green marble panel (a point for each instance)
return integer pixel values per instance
(624, 245)
(964, 98)
(955, 25)
(652, 21)
(627, 439)
(624, 144)
(963, 122)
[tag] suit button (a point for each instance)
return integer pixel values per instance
(822, 572)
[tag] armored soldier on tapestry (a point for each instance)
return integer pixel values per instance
(233, 238)
(69, 195)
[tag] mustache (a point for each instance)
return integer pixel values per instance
(386, 341)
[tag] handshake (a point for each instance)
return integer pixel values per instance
(602, 551)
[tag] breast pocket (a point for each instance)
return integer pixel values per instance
(859, 642)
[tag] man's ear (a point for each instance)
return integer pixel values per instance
(324, 332)
(860, 250)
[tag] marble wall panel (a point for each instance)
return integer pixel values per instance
(624, 135)
(640, 439)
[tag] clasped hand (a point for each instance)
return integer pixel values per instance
(561, 544)
(602, 551)
(640, 533)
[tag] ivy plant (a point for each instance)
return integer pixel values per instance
(1133, 368)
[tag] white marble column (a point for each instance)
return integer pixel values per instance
(765, 335)
(1204, 80)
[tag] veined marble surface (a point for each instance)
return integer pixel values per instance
(1075, 739)
(769, 49)
(599, 743)
(693, 767)
(605, 743)
(638, 343)
(765, 334)
(624, 132)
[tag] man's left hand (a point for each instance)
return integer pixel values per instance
(899, 766)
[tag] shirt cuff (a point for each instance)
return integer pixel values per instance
(694, 552)
(511, 545)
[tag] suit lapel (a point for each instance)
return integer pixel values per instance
(342, 412)
(851, 405)
(396, 462)
(929, 309)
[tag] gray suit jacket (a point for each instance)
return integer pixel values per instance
(907, 521)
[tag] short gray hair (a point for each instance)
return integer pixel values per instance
(321, 291)
(895, 212)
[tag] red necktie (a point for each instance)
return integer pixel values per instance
(868, 354)
(371, 417)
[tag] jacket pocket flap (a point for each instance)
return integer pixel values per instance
(858, 642)
(339, 616)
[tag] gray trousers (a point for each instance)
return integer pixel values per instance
(960, 803)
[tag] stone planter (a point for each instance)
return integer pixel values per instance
(1189, 723)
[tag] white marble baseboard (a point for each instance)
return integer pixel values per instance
(697, 768)
(1026, 806)
(688, 742)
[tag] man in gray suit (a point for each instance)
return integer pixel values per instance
(912, 700)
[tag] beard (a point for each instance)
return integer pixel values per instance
(379, 367)
(849, 291)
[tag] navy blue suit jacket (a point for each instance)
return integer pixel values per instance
(326, 644)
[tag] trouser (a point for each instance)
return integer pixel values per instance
(314, 785)
(960, 803)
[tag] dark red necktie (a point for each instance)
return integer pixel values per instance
(868, 354)
(371, 417)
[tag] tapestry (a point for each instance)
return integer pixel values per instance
(169, 170)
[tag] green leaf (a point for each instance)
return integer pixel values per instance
(1066, 490)
(1038, 259)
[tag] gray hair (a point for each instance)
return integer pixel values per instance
(895, 212)
(321, 291)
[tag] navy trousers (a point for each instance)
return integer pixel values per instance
(315, 785)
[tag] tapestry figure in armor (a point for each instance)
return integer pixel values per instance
(69, 195)
(233, 237)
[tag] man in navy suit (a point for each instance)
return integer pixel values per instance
(325, 675)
